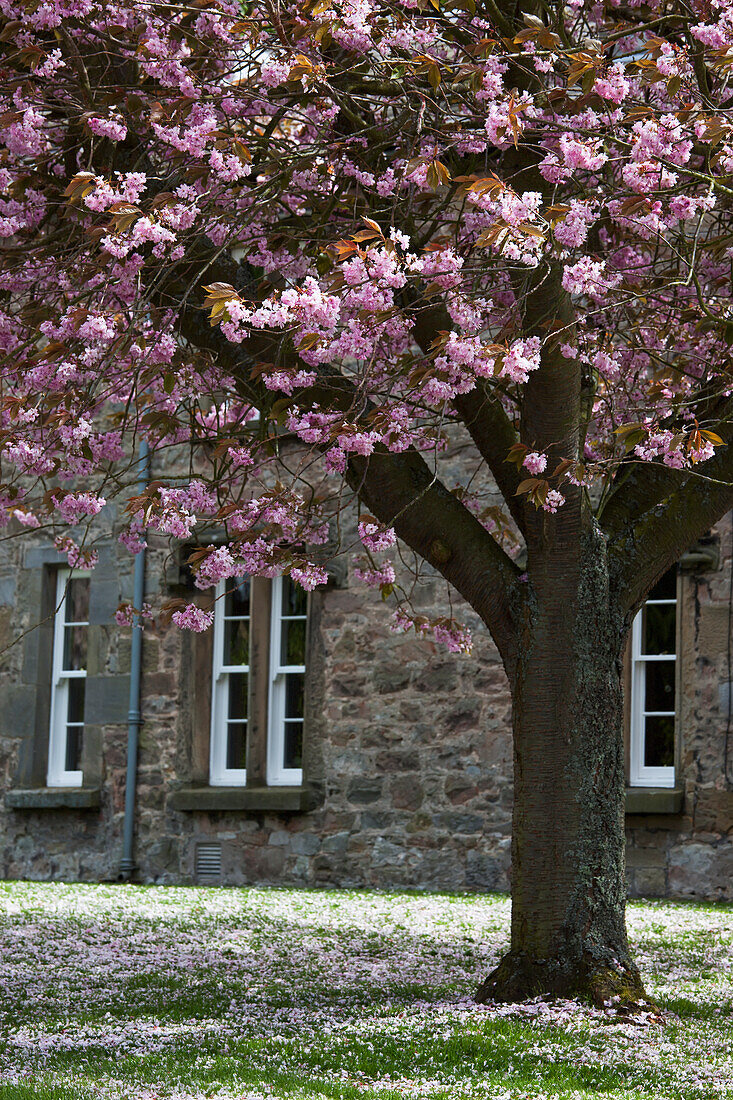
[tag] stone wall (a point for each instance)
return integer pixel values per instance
(408, 752)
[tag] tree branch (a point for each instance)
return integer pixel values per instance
(642, 552)
(400, 490)
(637, 488)
(482, 414)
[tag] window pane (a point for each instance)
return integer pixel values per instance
(237, 745)
(659, 685)
(236, 602)
(294, 686)
(75, 711)
(293, 747)
(658, 633)
(292, 644)
(666, 586)
(238, 688)
(75, 647)
(659, 743)
(74, 736)
(77, 601)
(236, 642)
(295, 598)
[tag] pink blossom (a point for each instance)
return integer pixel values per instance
(193, 618)
(77, 557)
(613, 85)
(553, 500)
(376, 538)
(535, 462)
(112, 127)
(522, 358)
(385, 574)
(73, 507)
(308, 575)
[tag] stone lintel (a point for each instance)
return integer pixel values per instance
(654, 800)
(276, 799)
(54, 798)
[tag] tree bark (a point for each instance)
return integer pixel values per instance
(568, 845)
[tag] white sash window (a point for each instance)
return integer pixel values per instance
(230, 702)
(653, 687)
(68, 679)
(288, 620)
(275, 668)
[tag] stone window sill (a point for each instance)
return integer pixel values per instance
(54, 798)
(276, 799)
(654, 800)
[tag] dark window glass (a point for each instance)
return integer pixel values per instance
(292, 644)
(236, 641)
(75, 647)
(293, 750)
(74, 736)
(659, 742)
(294, 687)
(237, 597)
(75, 712)
(238, 688)
(659, 685)
(295, 598)
(658, 633)
(666, 586)
(237, 745)
(77, 601)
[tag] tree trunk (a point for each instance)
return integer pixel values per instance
(568, 844)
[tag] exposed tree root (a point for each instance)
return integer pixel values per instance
(520, 978)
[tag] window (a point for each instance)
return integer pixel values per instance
(230, 702)
(242, 669)
(287, 682)
(68, 679)
(653, 687)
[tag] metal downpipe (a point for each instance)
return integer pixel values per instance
(134, 715)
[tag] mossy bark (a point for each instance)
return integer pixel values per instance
(568, 845)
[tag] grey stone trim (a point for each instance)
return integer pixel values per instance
(703, 557)
(107, 700)
(54, 798)
(654, 800)
(34, 556)
(276, 799)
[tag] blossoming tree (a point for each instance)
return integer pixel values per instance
(313, 241)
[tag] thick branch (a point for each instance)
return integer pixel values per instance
(400, 490)
(483, 416)
(637, 488)
(642, 553)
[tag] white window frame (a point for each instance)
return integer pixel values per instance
(641, 775)
(277, 775)
(219, 774)
(57, 775)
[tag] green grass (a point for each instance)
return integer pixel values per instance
(184, 993)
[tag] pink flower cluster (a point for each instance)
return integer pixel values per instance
(193, 618)
(376, 538)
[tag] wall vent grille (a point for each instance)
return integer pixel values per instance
(207, 864)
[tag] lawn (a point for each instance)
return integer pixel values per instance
(157, 992)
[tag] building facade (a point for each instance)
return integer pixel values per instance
(301, 742)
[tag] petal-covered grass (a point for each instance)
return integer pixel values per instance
(162, 992)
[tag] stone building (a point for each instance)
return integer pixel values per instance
(300, 742)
